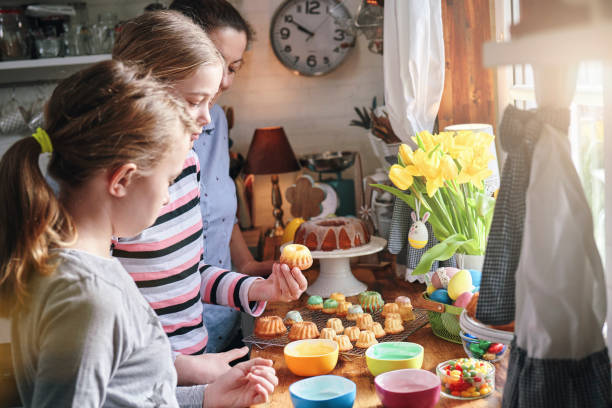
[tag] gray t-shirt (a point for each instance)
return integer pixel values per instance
(88, 339)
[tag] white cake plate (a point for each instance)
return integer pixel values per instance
(336, 274)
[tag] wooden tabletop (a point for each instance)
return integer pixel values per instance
(436, 349)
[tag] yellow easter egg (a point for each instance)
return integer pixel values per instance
(430, 289)
(461, 282)
(291, 228)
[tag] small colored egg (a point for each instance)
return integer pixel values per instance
(495, 348)
(435, 278)
(476, 350)
(430, 289)
(441, 296)
(461, 282)
(463, 299)
(476, 276)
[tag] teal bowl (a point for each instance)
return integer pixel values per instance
(323, 391)
(393, 355)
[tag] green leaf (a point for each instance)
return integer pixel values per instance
(440, 252)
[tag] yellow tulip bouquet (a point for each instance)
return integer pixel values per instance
(444, 175)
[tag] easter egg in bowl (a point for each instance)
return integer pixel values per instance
(408, 388)
(310, 357)
(323, 391)
(393, 355)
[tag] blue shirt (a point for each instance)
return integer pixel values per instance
(218, 204)
(218, 198)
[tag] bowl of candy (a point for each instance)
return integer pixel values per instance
(466, 378)
(482, 349)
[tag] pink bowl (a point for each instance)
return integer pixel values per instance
(408, 388)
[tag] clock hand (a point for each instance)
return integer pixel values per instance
(303, 29)
(329, 14)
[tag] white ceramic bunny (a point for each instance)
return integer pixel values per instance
(418, 235)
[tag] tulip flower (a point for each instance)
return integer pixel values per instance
(445, 172)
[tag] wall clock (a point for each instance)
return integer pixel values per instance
(312, 37)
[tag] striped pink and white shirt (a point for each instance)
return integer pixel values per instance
(166, 262)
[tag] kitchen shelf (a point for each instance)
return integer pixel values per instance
(45, 69)
(562, 46)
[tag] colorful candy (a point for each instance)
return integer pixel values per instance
(467, 377)
(483, 349)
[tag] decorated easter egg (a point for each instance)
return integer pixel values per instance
(463, 299)
(441, 296)
(461, 282)
(431, 289)
(442, 276)
(476, 276)
(418, 235)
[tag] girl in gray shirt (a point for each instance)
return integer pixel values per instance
(82, 335)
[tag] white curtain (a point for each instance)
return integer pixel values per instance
(413, 64)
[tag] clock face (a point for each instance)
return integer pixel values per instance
(311, 37)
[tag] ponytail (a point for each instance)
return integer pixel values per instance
(33, 222)
(97, 119)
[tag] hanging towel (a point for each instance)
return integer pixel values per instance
(518, 132)
(559, 358)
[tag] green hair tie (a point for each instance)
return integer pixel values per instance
(42, 137)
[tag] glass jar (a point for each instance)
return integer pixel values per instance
(14, 40)
(103, 33)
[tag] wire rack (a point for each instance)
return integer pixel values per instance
(320, 319)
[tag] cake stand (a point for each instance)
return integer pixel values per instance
(336, 275)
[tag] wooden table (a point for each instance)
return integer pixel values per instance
(436, 349)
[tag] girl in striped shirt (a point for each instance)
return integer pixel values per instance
(166, 260)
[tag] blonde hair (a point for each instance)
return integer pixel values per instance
(99, 118)
(166, 43)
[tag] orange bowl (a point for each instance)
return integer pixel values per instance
(310, 357)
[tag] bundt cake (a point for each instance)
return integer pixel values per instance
(343, 307)
(393, 324)
(353, 312)
(352, 333)
(377, 329)
(295, 255)
(371, 301)
(405, 308)
(332, 233)
(344, 344)
(269, 326)
(292, 316)
(366, 339)
(303, 330)
(315, 302)
(338, 297)
(390, 308)
(330, 306)
(336, 324)
(327, 333)
(364, 321)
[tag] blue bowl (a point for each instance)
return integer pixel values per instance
(323, 391)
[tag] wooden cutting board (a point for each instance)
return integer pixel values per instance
(305, 198)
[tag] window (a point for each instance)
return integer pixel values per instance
(586, 123)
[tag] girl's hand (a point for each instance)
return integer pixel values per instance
(205, 368)
(247, 383)
(282, 285)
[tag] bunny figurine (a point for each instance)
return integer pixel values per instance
(418, 235)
